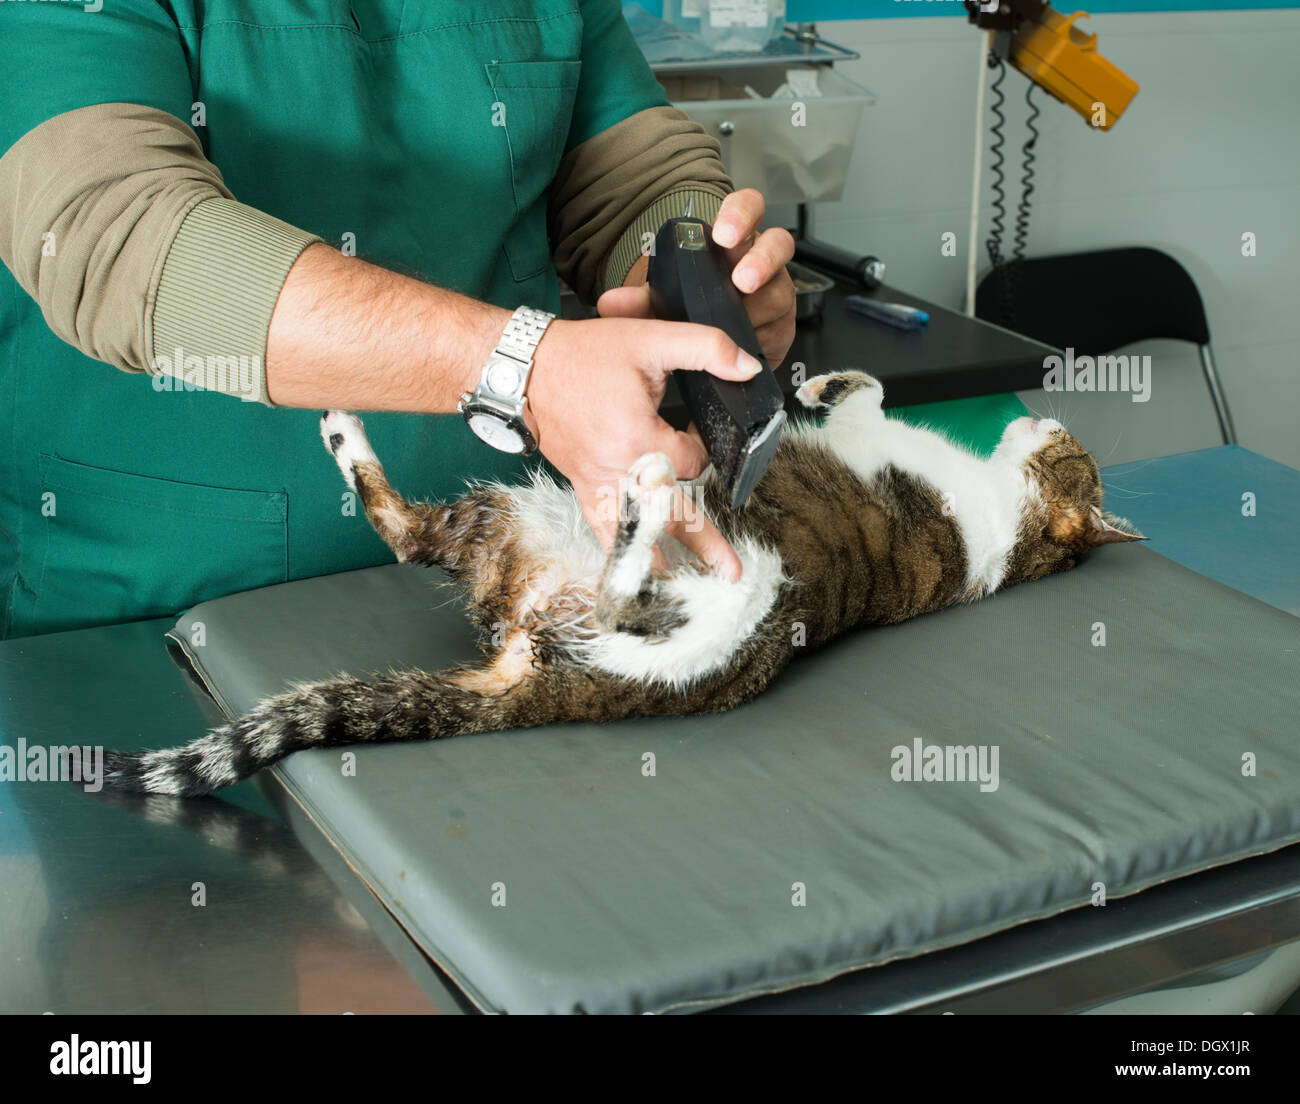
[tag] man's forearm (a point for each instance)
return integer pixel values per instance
(350, 335)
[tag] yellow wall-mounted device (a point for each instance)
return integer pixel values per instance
(1054, 53)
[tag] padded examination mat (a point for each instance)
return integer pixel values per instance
(1195, 510)
(771, 848)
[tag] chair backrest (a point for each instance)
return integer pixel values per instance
(1095, 302)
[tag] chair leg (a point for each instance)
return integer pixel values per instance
(1216, 395)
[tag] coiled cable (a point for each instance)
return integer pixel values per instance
(1027, 177)
(1007, 268)
(996, 227)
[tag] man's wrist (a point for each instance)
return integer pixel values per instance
(487, 330)
(542, 376)
(496, 403)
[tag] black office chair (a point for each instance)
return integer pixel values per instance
(1097, 302)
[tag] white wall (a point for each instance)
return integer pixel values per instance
(1209, 149)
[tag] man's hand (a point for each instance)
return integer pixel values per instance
(594, 395)
(759, 274)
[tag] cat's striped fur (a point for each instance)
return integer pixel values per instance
(859, 521)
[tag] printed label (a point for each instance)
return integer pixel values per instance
(738, 13)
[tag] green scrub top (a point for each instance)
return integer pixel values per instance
(374, 118)
(370, 118)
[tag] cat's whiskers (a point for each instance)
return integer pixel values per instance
(1119, 437)
(1128, 491)
(1139, 465)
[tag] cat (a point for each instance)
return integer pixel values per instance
(860, 520)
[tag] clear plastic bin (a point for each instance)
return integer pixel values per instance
(761, 145)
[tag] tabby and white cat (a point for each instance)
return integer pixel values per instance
(859, 521)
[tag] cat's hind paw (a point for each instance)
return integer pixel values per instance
(650, 494)
(833, 388)
(345, 438)
(629, 599)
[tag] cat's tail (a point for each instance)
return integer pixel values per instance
(414, 705)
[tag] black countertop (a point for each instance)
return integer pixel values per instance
(954, 357)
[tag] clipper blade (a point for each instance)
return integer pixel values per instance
(754, 463)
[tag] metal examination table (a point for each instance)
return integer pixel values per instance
(290, 924)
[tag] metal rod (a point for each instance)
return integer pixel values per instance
(1221, 410)
(972, 245)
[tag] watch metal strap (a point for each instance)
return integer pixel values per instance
(523, 333)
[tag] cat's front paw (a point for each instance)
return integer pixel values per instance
(833, 388)
(345, 438)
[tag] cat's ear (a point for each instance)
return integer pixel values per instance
(1101, 528)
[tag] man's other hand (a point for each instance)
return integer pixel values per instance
(758, 271)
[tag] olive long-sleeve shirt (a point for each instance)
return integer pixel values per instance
(117, 224)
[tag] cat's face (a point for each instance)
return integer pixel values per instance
(1063, 518)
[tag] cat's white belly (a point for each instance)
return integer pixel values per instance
(986, 500)
(719, 615)
(551, 523)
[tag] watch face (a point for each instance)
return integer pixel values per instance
(496, 433)
(503, 377)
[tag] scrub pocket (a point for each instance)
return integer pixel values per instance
(538, 98)
(119, 546)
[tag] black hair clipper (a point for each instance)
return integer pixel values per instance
(690, 281)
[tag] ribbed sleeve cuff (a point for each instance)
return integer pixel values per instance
(631, 242)
(216, 295)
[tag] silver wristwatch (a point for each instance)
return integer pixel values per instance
(495, 410)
